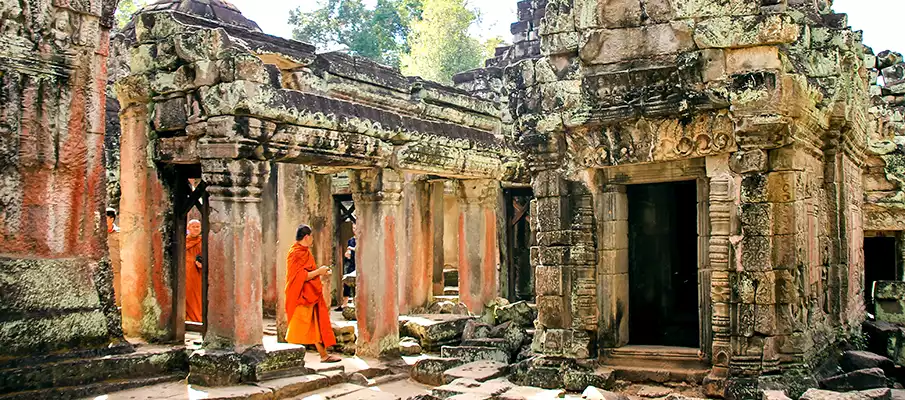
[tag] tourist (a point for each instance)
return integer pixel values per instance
(193, 272)
(306, 308)
(348, 281)
(113, 248)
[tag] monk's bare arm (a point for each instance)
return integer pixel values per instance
(316, 273)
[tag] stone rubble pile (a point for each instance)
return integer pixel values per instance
(891, 66)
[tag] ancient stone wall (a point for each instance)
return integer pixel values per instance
(764, 103)
(57, 282)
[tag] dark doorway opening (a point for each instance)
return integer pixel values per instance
(519, 239)
(346, 243)
(663, 263)
(879, 264)
(190, 201)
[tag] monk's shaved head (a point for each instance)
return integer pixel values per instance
(194, 228)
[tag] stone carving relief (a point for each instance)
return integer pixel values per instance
(651, 140)
(10, 12)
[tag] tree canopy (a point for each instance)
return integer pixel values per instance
(379, 33)
(125, 9)
(428, 38)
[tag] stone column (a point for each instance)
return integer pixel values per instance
(234, 310)
(144, 211)
(565, 267)
(416, 269)
(478, 247)
(377, 196)
(302, 198)
(612, 265)
(437, 193)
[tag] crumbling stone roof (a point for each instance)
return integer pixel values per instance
(220, 11)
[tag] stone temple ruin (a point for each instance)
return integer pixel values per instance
(700, 191)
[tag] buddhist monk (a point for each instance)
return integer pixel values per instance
(193, 272)
(306, 308)
(113, 248)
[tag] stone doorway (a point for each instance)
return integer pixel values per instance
(663, 264)
(345, 224)
(519, 275)
(880, 254)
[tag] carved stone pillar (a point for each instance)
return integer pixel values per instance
(302, 198)
(416, 268)
(145, 207)
(377, 194)
(478, 243)
(234, 309)
(565, 267)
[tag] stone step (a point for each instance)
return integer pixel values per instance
(451, 291)
(655, 357)
(92, 389)
(451, 277)
(658, 375)
(285, 388)
(146, 363)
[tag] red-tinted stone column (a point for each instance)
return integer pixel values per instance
(478, 252)
(147, 290)
(416, 269)
(377, 196)
(234, 310)
(302, 198)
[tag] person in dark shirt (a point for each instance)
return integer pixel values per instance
(348, 272)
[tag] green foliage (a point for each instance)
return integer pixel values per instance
(380, 34)
(125, 10)
(441, 45)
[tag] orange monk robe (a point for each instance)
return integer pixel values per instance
(192, 280)
(306, 308)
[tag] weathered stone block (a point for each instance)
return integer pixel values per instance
(713, 65)
(889, 297)
(552, 311)
(752, 59)
(757, 253)
(170, 115)
(470, 354)
(708, 8)
(429, 371)
(609, 14)
(521, 313)
(549, 280)
(854, 360)
(613, 261)
(434, 331)
(756, 219)
(613, 235)
(614, 45)
(856, 380)
(724, 32)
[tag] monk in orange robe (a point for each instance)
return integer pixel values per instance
(306, 308)
(193, 272)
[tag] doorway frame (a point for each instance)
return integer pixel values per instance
(611, 208)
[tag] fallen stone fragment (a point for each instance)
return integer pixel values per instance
(349, 312)
(577, 380)
(873, 394)
(460, 309)
(474, 353)
(472, 388)
(480, 371)
(474, 329)
(775, 395)
(409, 346)
(441, 307)
(512, 333)
(519, 312)
(434, 330)
(856, 380)
(429, 371)
(888, 58)
(855, 360)
(593, 393)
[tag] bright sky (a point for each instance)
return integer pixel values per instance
(879, 19)
(496, 15)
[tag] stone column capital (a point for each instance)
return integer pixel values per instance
(477, 191)
(237, 180)
(376, 185)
